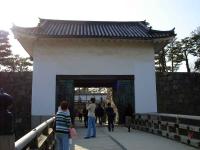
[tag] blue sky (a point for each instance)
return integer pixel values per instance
(184, 15)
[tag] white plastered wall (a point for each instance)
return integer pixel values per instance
(92, 57)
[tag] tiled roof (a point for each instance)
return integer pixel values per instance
(94, 29)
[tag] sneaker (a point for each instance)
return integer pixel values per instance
(93, 136)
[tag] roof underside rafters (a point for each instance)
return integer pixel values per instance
(63, 29)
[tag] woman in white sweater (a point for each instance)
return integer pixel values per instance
(91, 130)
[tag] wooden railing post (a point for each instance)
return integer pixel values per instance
(177, 137)
(182, 128)
(34, 144)
(159, 125)
(46, 131)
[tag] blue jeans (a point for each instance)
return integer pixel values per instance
(62, 141)
(91, 131)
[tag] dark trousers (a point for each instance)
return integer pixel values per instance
(110, 123)
(86, 121)
(100, 119)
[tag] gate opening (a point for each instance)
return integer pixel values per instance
(119, 90)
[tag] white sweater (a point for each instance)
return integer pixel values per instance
(91, 109)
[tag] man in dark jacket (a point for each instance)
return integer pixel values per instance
(99, 112)
(7, 137)
(85, 115)
(111, 115)
(128, 116)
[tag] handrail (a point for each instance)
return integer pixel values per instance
(176, 115)
(26, 139)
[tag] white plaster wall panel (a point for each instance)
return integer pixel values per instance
(90, 58)
(145, 89)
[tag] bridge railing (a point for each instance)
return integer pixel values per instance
(40, 138)
(183, 128)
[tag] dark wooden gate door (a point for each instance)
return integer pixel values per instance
(123, 95)
(65, 91)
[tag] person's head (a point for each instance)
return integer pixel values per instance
(109, 104)
(6, 101)
(64, 105)
(92, 100)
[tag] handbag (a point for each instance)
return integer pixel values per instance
(73, 133)
(70, 141)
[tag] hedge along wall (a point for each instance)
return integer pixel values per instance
(19, 85)
(177, 93)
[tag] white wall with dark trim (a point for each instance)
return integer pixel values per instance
(92, 57)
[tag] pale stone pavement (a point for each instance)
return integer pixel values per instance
(121, 139)
(101, 142)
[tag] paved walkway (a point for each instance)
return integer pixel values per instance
(101, 142)
(120, 139)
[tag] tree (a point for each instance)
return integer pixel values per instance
(174, 55)
(5, 52)
(8, 61)
(197, 65)
(18, 64)
(160, 61)
(196, 41)
(187, 48)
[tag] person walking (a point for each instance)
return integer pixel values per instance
(85, 115)
(99, 112)
(111, 115)
(80, 115)
(91, 130)
(62, 125)
(128, 116)
(7, 136)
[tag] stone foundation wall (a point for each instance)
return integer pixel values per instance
(178, 93)
(19, 85)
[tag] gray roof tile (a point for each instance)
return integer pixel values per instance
(94, 29)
